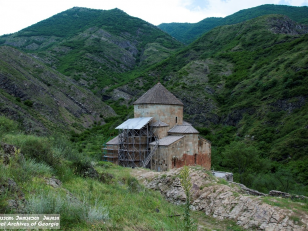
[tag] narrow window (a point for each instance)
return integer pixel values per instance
(176, 120)
(195, 158)
(174, 162)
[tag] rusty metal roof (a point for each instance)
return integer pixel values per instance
(159, 124)
(113, 141)
(158, 95)
(183, 129)
(135, 123)
(167, 140)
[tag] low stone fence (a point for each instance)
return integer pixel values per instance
(272, 193)
(250, 191)
(275, 193)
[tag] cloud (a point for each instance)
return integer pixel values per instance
(284, 2)
(305, 3)
(196, 5)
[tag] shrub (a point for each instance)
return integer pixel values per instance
(64, 172)
(106, 177)
(81, 167)
(133, 184)
(7, 125)
(33, 167)
(28, 103)
(186, 184)
(38, 148)
(62, 147)
(70, 208)
(105, 164)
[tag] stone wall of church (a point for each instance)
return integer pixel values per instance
(170, 114)
(201, 157)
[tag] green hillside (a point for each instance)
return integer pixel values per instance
(95, 47)
(47, 175)
(42, 100)
(244, 86)
(188, 32)
(246, 83)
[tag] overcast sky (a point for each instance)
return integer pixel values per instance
(18, 14)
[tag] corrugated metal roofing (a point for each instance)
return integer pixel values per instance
(159, 124)
(182, 129)
(158, 95)
(135, 123)
(186, 123)
(114, 141)
(167, 140)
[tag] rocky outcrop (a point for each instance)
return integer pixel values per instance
(289, 105)
(284, 25)
(18, 201)
(10, 151)
(224, 201)
(53, 182)
(56, 100)
(235, 116)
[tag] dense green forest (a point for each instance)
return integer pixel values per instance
(188, 32)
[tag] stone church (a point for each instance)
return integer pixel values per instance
(157, 137)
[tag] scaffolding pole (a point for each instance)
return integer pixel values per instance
(134, 146)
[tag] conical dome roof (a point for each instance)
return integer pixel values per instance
(158, 95)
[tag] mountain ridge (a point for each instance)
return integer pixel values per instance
(95, 47)
(188, 32)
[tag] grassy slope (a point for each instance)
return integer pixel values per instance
(116, 201)
(95, 47)
(245, 84)
(56, 101)
(188, 32)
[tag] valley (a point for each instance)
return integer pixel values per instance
(68, 81)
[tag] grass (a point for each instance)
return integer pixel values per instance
(287, 203)
(119, 203)
(115, 201)
(209, 223)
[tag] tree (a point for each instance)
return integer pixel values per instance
(186, 184)
(243, 158)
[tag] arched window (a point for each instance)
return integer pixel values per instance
(176, 120)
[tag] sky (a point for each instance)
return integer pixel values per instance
(18, 14)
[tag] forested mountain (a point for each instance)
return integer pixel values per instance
(95, 47)
(247, 85)
(188, 32)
